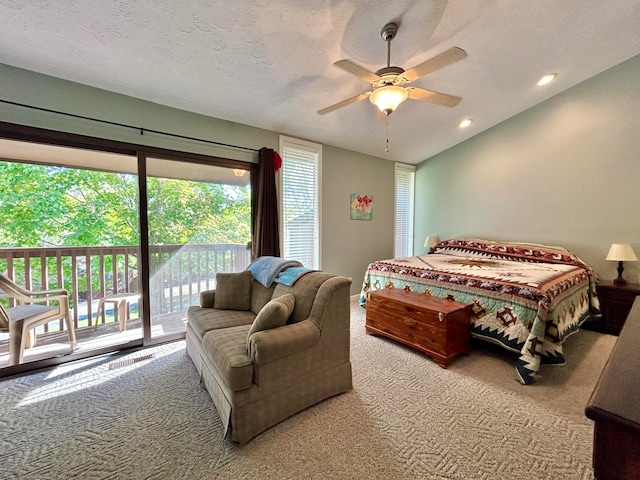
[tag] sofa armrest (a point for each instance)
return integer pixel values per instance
(207, 298)
(269, 345)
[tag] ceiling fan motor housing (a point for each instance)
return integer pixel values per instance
(388, 76)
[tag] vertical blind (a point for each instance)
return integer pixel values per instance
(300, 202)
(405, 193)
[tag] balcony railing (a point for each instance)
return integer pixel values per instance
(178, 273)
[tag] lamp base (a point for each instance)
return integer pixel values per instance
(620, 281)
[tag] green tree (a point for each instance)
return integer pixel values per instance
(44, 206)
(48, 206)
(183, 211)
(57, 206)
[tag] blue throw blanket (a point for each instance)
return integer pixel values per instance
(266, 269)
(291, 275)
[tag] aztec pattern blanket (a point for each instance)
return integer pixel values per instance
(527, 298)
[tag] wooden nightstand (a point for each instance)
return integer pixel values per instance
(615, 304)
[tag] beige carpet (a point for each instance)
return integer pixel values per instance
(405, 418)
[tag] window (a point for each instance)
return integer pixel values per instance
(405, 192)
(299, 181)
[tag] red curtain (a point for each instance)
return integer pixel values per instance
(264, 207)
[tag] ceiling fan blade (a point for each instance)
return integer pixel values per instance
(439, 61)
(433, 97)
(344, 103)
(357, 70)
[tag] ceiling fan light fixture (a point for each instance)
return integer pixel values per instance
(388, 98)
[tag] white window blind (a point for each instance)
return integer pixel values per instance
(300, 201)
(405, 193)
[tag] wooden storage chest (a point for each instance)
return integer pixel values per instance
(437, 327)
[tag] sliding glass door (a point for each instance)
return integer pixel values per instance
(127, 240)
(199, 224)
(68, 223)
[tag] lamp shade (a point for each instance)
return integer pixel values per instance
(621, 252)
(388, 98)
(431, 241)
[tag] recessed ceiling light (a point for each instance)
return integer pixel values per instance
(465, 123)
(546, 79)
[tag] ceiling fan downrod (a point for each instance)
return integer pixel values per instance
(388, 33)
(388, 75)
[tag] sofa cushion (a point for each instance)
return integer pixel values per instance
(204, 319)
(233, 291)
(305, 290)
(207, 298)
(260, 295)
(226, 350)
(274, 314)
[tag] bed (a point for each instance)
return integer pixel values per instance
(525, 297)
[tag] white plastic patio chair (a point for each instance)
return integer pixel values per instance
(32, 310)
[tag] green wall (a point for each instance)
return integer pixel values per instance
(347, 245)
(23, 86)
(350, 245)
(566, 172)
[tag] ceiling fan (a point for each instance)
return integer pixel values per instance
(388, 84)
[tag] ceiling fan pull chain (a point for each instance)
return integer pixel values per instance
(387, 147)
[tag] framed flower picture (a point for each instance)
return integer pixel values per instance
(361, 207)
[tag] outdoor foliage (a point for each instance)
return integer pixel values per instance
(195, 212)
(42, 206)
(51, 206)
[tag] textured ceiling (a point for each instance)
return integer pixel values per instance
(268, 63)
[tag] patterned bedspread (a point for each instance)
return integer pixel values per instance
(527, 298)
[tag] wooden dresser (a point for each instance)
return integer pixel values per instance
(615, 407)
(438, 327)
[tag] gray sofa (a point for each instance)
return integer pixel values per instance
(260, 370)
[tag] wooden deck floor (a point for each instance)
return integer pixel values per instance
(51, 345)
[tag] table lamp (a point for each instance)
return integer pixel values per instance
(431, 241)
(621, 252)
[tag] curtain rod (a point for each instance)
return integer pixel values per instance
(140, 129)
